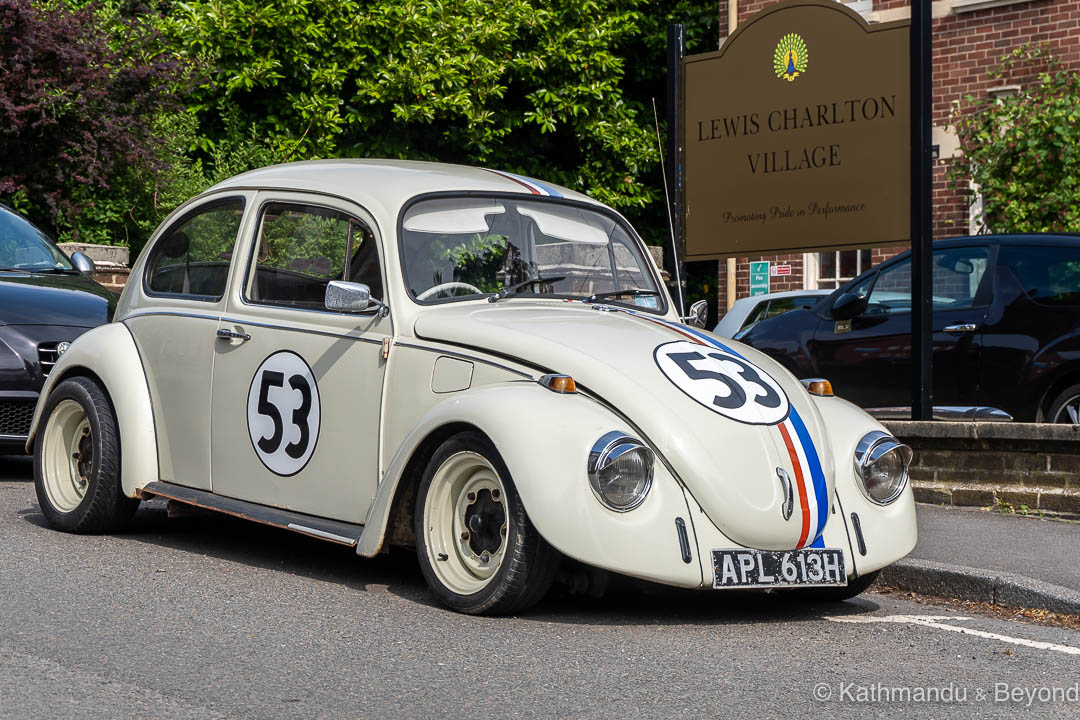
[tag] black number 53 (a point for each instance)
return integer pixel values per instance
(270, 445)
(736, 396)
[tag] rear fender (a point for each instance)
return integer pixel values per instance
(108, 353)
(545, 438)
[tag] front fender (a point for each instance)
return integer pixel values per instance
(889, 531)
(545, 438)
(109, 353)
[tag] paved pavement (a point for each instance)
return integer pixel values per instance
(1042, 549)
(209, 616)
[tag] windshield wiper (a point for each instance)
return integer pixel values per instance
(514, 289)
(619, 293)
(37, 270)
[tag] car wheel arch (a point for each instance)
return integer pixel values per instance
(108, 355)
(1053, 389)
(399, 524)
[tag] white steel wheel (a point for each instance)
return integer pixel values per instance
(466, 522)
(77, 460)
(67, 455)
(478, 550)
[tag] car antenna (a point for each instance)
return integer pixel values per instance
(671, 221)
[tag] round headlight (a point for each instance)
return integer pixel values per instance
(620, 471)
(881, 462)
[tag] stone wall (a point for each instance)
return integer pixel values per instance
(111, 262)
(1013, 467)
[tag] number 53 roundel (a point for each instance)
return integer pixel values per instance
(283, 413)
(723, 382)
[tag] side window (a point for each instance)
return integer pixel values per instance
(1049, 275)
(957, 274)
(757, 314)
(892, 291)
(192, 258)
(301, 248)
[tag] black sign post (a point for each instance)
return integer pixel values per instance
(921, 213)
(676, 51)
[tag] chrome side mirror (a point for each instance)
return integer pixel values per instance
(83, 263)
(698, 311)
(347, 296)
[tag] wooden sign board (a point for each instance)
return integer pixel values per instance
(797, 135)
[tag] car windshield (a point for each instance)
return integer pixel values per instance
(24, 247)
(463, 248)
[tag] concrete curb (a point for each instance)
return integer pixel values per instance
(964, 583)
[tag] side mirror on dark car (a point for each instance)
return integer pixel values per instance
(848, 305)
(83, 263)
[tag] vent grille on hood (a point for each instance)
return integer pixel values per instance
(47, 357)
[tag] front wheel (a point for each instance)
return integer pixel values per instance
(77, 461)
(478, 551)
(837, 594)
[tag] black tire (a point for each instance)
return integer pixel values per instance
(103, 507)
(837, 594)
(527, 563)
(1058, 412)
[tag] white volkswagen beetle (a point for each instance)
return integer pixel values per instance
(477, 364)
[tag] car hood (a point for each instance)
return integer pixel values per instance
(662, 377)
(71, 300)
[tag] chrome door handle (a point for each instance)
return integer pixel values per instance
(222, 333)
(960, 328)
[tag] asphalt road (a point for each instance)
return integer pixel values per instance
(208, 617)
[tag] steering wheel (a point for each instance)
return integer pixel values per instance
(448, 286)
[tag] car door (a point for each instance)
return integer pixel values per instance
(1031, 338)
(185, 280)
(298, 387)
(868, 356)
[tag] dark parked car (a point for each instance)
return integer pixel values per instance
(1006, 330)
(45, 302)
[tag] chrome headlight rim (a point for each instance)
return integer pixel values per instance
(609, 448)
(873, 447)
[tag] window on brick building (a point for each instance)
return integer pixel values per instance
(830, 270)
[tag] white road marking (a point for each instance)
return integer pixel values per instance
(932, 621)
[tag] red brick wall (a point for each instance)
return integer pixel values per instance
(966, 46)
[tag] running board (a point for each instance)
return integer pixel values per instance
(333, 530)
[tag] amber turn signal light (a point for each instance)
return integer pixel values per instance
(818, 386)
(559, 383)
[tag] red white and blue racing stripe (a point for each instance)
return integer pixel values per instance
(534, 186)
(805, 462)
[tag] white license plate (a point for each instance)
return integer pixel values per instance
(811, 567)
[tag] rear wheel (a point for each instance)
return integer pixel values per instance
(478, 551)
(77, 461)
(1066, 407)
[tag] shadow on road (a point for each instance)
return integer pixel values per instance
(17, 467)
(627, 601)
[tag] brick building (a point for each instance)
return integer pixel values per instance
(969, 38)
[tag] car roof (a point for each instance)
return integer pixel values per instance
(391, 182)
(1013, 239)
(784, 294)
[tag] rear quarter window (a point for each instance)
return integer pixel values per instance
(1049, 275)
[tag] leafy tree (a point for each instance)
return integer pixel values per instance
(539, 88)
(1023, 152)
(75, 113)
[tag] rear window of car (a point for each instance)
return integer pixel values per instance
(192, 259)
(1049, 275)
